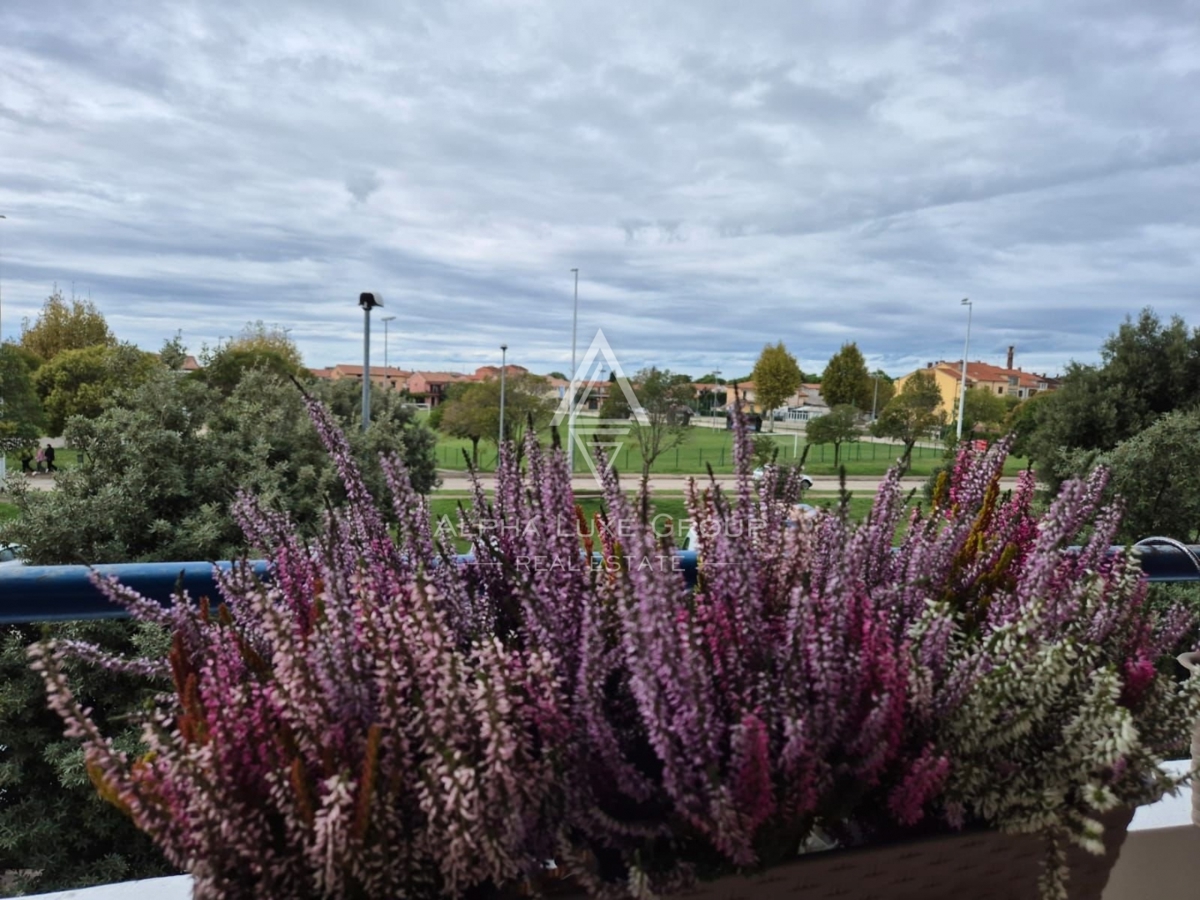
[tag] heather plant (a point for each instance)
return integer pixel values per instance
(377, 720)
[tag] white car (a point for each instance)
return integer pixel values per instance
(10, 556)
(805, 481)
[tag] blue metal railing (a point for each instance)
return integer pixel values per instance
(65, 593)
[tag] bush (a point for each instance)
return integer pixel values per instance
(377, 723)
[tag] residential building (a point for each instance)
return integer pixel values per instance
(1004, 381)
(433, 385)
(385, 377)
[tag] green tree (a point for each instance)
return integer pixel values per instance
(225, 368)
(838, 426)
(776, 377)
(63, 326)
(1157, 474)
(912, 414)
(982, 408)
(161, 465)
(659, 423)
(173, 353)
(846, 380)
(82, 382)
(1147, 369)
(21, 418)
(475, 413)
(616, 404)
(1022, 420)
(883, 389)
(464, 416)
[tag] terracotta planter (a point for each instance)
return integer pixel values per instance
(1191, 661)
(970, 866)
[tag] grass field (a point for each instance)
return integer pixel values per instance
(710, 446)
(670, 511)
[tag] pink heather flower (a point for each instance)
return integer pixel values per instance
(375, 720)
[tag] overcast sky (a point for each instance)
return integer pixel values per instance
(723, 174)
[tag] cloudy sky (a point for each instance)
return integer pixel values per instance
(722, 174)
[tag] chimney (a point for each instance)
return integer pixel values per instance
(1011, 348)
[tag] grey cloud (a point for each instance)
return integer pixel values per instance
(362, 185)
(811, 173)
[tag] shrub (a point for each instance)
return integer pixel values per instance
(376, 722)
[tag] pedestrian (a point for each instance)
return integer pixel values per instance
(40, 465)
(50, 467)
(26, 459)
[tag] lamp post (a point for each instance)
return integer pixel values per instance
(962, 391)
(503, 366)
(712, 409)
(386, 373)
(571, 417)
(875, 401)
(368, 300)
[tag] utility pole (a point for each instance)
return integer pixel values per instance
(571, 418)
(368, 301)
(962, 392)
(503, 367)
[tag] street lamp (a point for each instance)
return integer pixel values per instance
(712, 408)
(962, 391)
(875, 402)
(386, 372)
(368, 300)
(571, 418)
(503, 366)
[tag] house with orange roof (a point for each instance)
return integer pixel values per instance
(385, 377)
(1003, 381)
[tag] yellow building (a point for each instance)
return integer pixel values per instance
(1004, 382)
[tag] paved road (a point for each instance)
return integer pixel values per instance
(457, 481)
(454, 481)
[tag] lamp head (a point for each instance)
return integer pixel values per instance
(504, 347)
(966, 301)
(368, 300)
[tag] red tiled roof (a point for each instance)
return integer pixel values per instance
(985, 372)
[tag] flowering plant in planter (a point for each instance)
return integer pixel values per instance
(375, 720)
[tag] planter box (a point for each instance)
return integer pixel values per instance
(982, 865)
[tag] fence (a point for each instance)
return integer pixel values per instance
(697, 459)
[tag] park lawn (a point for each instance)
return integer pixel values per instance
(669, 517)
(706, 447)
(8, 512)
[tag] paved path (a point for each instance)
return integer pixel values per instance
(458, 481)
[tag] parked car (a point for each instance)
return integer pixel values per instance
(805, 481)
(10, 556)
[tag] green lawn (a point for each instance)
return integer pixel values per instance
(670, 511)
(710, 446)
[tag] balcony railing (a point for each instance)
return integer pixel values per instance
(65, 593)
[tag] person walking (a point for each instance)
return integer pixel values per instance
(40, 462)
(26, 459)
(50, 467)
